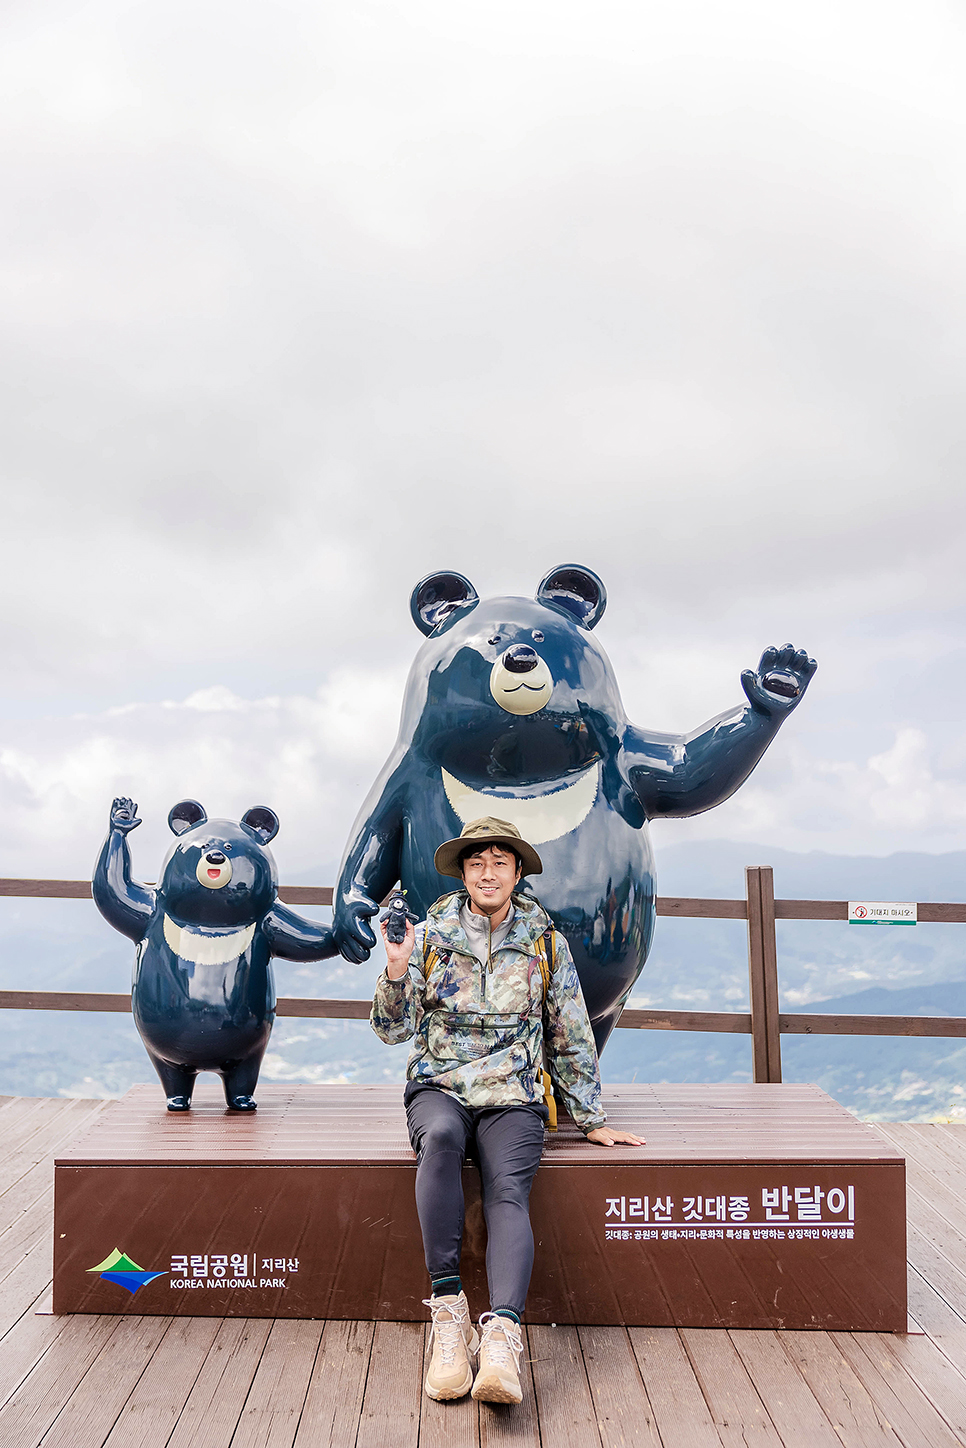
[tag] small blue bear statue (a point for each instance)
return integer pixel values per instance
(203, 995)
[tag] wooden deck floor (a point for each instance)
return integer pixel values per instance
(83, 1382)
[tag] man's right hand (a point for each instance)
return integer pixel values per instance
(397, 956)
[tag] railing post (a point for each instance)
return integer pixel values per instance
(763, 972)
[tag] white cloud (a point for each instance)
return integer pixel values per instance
(318, 300)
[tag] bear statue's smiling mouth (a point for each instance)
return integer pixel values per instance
(513, 677)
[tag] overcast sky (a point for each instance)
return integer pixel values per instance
(300, 302)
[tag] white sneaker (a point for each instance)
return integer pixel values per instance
(498, 1380)
(454, 1344)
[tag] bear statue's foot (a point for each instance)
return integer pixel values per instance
(179, 1103)
(242, 1103)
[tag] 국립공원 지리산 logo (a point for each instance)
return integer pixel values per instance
(120, 1268)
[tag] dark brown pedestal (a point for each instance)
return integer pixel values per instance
(784, 1212)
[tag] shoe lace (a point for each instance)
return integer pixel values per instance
(501, 1336)
(449, 1319)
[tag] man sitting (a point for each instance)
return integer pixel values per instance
(485, 1010)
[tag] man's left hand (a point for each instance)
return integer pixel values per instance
(604, 1136)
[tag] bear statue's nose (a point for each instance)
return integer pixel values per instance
(520, 659)
(215, 857)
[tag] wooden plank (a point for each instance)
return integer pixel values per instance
(928, 913)
(684, 907)
(944, 1326)
(336, 1009)
(737, 1411)
(331, 1010)
(214, 1405)
(811, 910)
(846, 1402)
(929, 1369)
(27, 1194)
(15, 1109)
(25, 1234)
(736, 1023)
(763, 974)
(806, 1024)
(77, 1390)
(950, 1140)
(56, 1000)
(680, 1411)
(29, 1411)
(39, 1151)
(63, 1000)
(624, 1414)
(798, 1023)
(936, 1256)
(47, 889)
(909, 1412)
(920, 1144)
(504, 1425)
(792, 1407)
(305, 894)
(24, 1344)
(333, 1404)
(564, 1403)
(946, 914)
(690, 908)
(390, 1407)
(930, 1177)
(38, 1112)
(447, 1425)
(25, 1282)
(270, 1418)
(151, 1411)
(81, 890)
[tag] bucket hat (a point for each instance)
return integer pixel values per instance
(483, 832)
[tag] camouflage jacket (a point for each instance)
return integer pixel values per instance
(479, 1030)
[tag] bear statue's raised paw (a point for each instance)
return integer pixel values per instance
(780, 681)
(124, 815)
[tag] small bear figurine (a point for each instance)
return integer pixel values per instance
(203, 996)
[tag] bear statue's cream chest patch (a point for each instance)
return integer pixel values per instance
(539, 817)
(207, 947)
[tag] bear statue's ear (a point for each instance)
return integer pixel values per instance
(439, 595)
(262, 822)
(186, 815)
(577, 590)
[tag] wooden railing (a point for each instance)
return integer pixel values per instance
(765, 1023)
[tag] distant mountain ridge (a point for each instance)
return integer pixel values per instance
(942, 998)
(715, 868)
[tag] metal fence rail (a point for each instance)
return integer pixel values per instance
(764, 1022)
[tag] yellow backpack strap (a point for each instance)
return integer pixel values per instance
(429, 961)
(546, 953)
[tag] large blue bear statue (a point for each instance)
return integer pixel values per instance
(512, 710)
(203, 995)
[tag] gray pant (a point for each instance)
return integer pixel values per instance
(506, 1142)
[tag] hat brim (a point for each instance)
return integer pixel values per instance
(447, 856)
